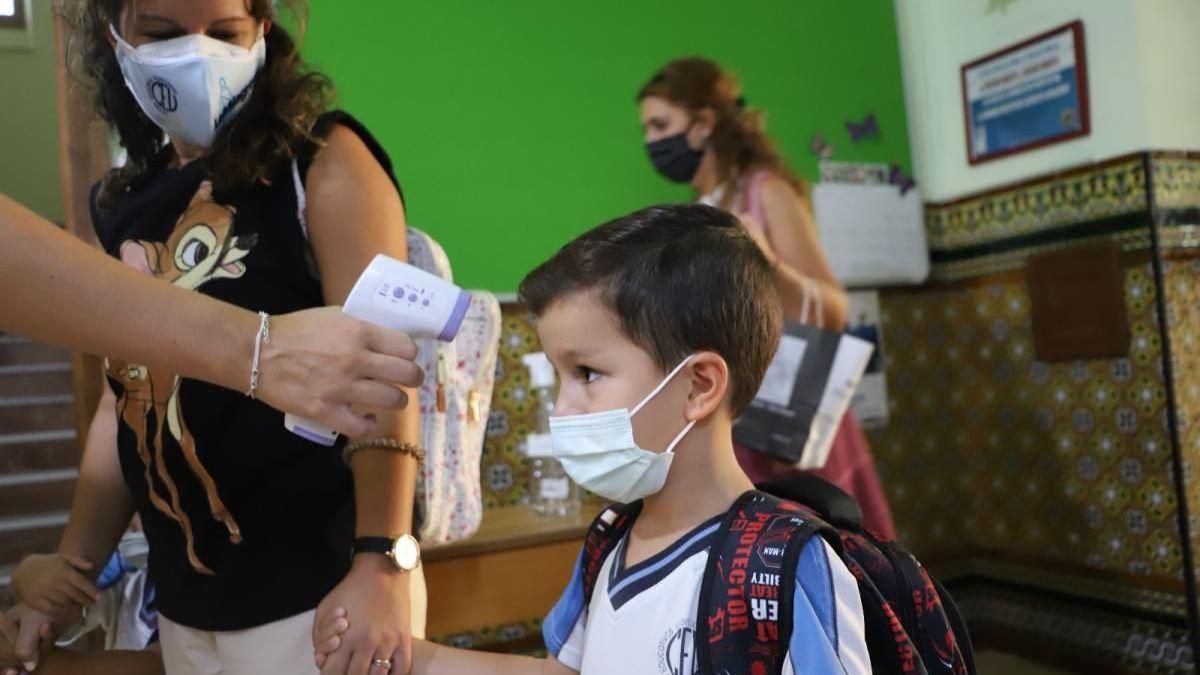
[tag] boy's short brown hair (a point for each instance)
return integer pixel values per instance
(681, 279)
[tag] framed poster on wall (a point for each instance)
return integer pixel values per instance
(1028, 95)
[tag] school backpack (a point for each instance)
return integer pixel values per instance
(744, 617)
(454, 399)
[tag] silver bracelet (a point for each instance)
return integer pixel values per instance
(263, 337)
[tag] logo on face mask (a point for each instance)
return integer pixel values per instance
(162, 93)
(187, 85)
(225, 95)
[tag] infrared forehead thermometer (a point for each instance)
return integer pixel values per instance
(396, 295)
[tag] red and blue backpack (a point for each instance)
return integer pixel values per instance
(745, 611)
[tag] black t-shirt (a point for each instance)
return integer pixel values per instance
(247, 522)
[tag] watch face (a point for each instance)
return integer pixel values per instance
(406, 552)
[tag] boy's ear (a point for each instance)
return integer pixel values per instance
(710, 383)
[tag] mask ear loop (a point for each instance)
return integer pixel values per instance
(659, 388)
(120, 40)
(806, 301)
(671, 448)
(661, 385)
(818, 305)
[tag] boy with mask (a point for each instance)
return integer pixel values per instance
(660, 325)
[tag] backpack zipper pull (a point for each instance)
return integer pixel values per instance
(442, 377)
(473, 408)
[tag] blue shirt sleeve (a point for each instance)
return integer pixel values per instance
(828, 633)
(116, 568)
(561, 620)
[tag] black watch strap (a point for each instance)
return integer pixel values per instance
(372, 545)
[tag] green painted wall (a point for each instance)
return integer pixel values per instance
(512, 124)
(28, 117)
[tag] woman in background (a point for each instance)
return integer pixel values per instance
(698, 130)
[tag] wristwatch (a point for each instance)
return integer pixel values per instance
(404, 550)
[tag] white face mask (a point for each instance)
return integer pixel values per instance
(190, 86)
(598, 452)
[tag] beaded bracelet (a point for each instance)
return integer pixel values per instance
(383, 443)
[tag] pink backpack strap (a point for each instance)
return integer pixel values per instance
(752, 198)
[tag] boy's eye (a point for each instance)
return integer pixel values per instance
(588, 375)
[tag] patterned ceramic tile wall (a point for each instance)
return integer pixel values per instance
(1176, 181)
(991, 449)
(505, 472)
(1177, 201)
(996, 232)
(1064, 466)
(1113, 189)
(1182, 280)
(1100, 640)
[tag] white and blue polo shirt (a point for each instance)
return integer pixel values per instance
(642, 618)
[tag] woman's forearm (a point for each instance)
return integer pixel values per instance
(319, 362)
(797, 255)
(791, 284)
(385, 481)
(102, 506)
(57, 289)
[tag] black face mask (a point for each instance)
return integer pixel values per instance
(674, 158)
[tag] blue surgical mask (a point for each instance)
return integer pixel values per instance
(598, 451)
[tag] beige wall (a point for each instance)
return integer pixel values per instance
(1143, 75)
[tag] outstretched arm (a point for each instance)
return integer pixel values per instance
(56, 289)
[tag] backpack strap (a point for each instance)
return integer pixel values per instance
(912, 625)
(891, 648)
(745, 609)
(301, 198)
(833, 504)
(752, 200)
(304, 156)
(958, 624)
(603, 535)
(917, 601)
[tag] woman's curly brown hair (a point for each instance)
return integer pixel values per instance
(277, 119)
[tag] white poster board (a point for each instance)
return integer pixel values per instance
(870, 403)
(872, 235)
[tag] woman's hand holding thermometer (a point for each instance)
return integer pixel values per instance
(396, 295)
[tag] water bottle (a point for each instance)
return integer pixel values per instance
(551, 490)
